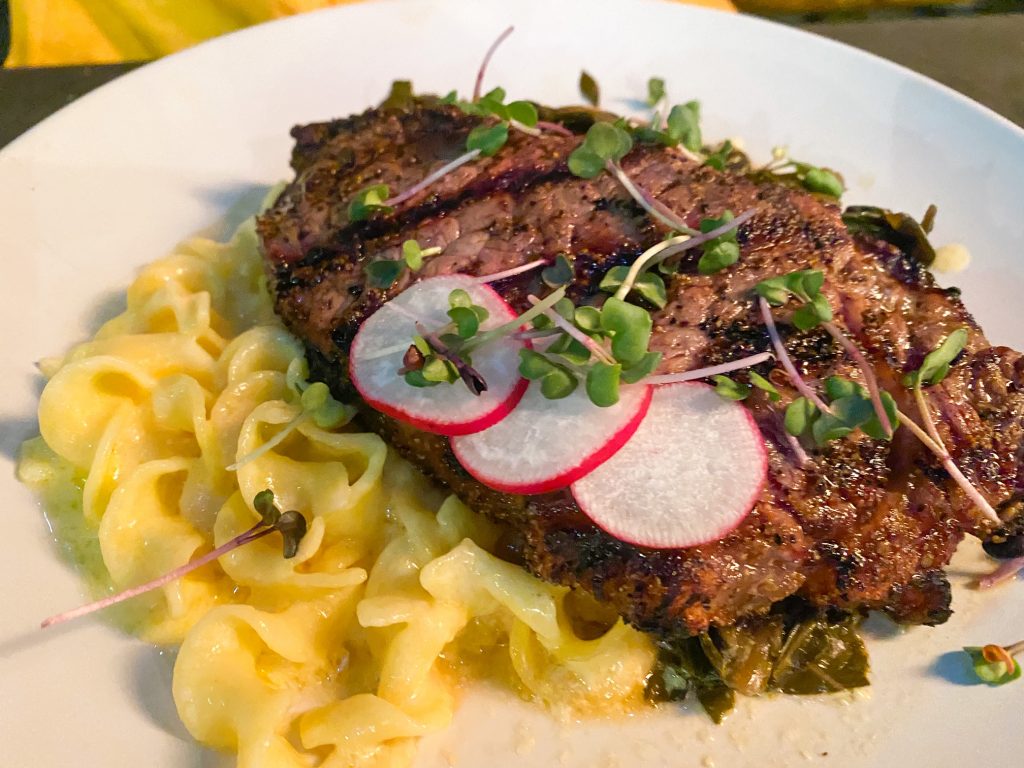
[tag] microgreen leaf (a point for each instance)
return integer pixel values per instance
(487, 138)
(292, 527)
(559, 273)
(837, 387)
(873, 426)
(413, 255)
(589, 88)
(438, 370)
(649, 286)
(729, 389)
(417, 379)
(384, 272)
(655, 91)
(800, 414)
(773, 290)
(824, 182)
(573, 351)
(523, 112)
(629, 327)
(608, 141)
(585, 164)
(588, 319)
(558, 383)
(533, 365)
(263, 503)
(603, 384)
(852, 411)
(763, 384)
(466, 321)
(683, 126)
(720, 252)
(368, 201)
(813, 313)
(827, 428)
(992, 668)
(460, 298)
(642, 368)
(720, 156)
(935, 366)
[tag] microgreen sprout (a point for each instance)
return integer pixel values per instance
(872, 410)
(589, 89)
(995, 664)
(478, 83)
(513, 272)
(382, 273)
(710, 372)
(291, 525)
(814, 179)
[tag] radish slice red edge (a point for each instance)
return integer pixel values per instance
(690, 474)
(377, 350)
(547, 444)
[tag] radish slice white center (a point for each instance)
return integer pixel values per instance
(689, 475)
(448, 409)
(547, 444)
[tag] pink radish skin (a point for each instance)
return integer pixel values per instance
(689, 475)
(447, 409)
(546, 444)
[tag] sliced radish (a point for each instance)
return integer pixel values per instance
(447, 409)
(547, 444)
(689, 475)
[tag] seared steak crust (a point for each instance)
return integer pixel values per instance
(866, 524)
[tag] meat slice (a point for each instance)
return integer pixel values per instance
(864, 525)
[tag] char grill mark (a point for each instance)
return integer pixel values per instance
(866, 525)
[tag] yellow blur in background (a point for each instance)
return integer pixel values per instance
(53, 32)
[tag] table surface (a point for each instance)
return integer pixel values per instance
(980, 56)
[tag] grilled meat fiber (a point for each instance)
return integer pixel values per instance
(866, 524)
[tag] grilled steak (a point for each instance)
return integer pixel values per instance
(866, 524)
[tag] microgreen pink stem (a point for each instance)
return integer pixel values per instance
(939, 449)
(713, 370)
(658, 210)
(673, 245)
(780, 352)
(440, 173)
(515, 325)
(257, 531)
(595, 349)
(495, 276)
(869, 375)
(1006, 571)
(487, 60)
(558, 128)
(798, 450)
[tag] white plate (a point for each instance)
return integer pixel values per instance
(118, 177)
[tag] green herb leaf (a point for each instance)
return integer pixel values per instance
(417, 379)
(629, 327)
(384, 272)
(523, 112)
(935, 366)
(438, 370)
(369, 201)
(603, 384)
(717, 257)
(828, 427)
(824, 182)
(584, 163)
(400, 97)
(763, 384)
(466, 321)
(729, 389)
(649, 286)
(421, 344)
(263, 503)
(590, 89)
(533, 365)
(813, 313)
(460, 298)
(487, 138)
(900, 229)
(684, 125)
(559, 273)
(558, 383)
(413, 255)
(641, 369)
(570, 350)
(994, 671)
(773, 290)
(821, 657)
(853, 410)
(608, 141)
(873, 426)
(588, 319)
(292, 527)
(720, 156)
(837, 387)
(800, 414)
(495, 94)
(655, 91)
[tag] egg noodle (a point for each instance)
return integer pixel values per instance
(345, 654)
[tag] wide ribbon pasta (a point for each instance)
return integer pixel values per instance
(158, 435)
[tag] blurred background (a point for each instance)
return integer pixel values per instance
(39, 33)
